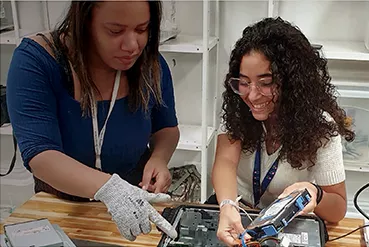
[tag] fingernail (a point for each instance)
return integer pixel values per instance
(173, 234)
(144, 187)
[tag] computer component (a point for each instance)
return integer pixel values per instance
(35, 233)
(197, 226)
(32, 233)
(278, 215)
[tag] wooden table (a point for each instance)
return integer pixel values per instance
(90, 221)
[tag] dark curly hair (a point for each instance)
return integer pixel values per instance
(302, 77)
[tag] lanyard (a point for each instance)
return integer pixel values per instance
(99, 137)
(259, 191)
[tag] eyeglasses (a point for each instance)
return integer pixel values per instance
(242, 87)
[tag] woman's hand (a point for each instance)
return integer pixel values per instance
(301, 186)
(156, 176)
(230, 226)
(131, 209)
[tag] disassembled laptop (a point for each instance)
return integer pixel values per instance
(276, 225)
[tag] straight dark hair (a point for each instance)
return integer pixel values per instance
(143, 78)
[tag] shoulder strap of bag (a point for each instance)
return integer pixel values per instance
(12, 164)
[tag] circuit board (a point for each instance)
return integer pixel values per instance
(198, 227)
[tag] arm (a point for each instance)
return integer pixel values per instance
(165, 136)
(164, 143)
(32, 109)
(224, 178)
(64, 174)
(165, 131)
(333, 205)
(329, 173)
(224, 174)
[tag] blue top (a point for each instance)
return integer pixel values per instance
(45, 116)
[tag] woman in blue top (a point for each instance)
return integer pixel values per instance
(92, 108)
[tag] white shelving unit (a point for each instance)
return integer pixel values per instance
(343, 49)
(191, 137)
(13, 37)
(10, 37)
(6, 129)
(341, 28)
(197, 138)
(358, 94)
(187, 44)
(352, 89)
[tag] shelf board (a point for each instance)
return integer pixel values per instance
(356, 167)
(352, 88)
(6, 129)
(187, 44)
(351, 84)
(341, 50)
(190, 137)
(357, 94)
(8, 37)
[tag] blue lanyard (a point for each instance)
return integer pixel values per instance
(259, 191)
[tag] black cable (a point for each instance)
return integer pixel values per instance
(358, 209)
(355, 200)
(333, 239)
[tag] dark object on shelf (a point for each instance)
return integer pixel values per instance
(186, 184)
(6, 120)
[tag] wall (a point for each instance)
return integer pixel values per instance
(234, 17)
(6, 52)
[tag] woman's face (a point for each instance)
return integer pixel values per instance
(255, 70)
(120, 31)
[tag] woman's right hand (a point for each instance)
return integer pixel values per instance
(230, 226)
(130, 208)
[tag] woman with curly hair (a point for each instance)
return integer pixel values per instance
(282, 127)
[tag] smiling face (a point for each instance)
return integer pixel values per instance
(120, 31)
(255, 69)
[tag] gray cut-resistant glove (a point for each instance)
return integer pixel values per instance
(130, 208)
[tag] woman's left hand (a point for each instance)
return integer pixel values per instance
(156, 176)
(300, 186)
